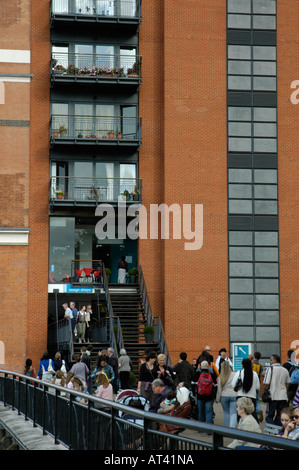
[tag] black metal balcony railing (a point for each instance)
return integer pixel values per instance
(97, 9)
(96, 128)
(95, 67)
(94, 190)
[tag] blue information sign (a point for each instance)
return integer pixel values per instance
(79, 290)
(240, 351)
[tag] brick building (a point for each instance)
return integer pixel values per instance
(201, 92)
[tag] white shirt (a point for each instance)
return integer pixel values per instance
(254, 387)
(280, 378)
(68, 313)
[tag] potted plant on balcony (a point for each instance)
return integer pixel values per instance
(62, 130)
(133, 275)
(108, 274)
(111, 134)
(119, 134)
(59, 194)
(55, 133)
(148, 332)
(80, 135)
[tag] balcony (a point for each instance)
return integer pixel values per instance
(96, 11)
(95, 68)
(84, 191)
(95, 130)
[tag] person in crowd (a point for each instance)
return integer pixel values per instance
(286, 417)
(29, 369)
(113, 362)
(124, 369)
(181, 409)
(81, 371)
(122, 270)
(250, 383)
(292, 429)
(227, 396)
(182, 393)
(46, 370)
(222, 356)
(160, 393)
(289, 365)
(206, 381)
(146, 377)
(277, 380)
(59, 363)
(59, 379)
(78, 386)
(68, 315)
(258, 368)
(295, 402)
(88, 323)
(103, 366)
(164, 372)
(183, 370)
(168, 404)
(206, 356)
(247, 422)
(69, 380)
(74, 317)
(104, 387)
(208, 350)
(81, 324)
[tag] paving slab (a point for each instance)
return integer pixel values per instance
(31, 438)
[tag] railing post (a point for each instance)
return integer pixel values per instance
(147, 438)
(114, 445)
(217, 441)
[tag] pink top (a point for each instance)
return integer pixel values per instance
(105, 393)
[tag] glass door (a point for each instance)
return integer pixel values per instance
(84, 121)
(127, 58)
(106, 182)
(105, 57)
(129, 122)
(105, 120)
(60, 119)
(84, 57)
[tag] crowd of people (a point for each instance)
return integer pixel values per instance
(188, 390)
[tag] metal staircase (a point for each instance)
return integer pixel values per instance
(127, 305)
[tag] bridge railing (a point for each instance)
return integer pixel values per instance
(102, 425)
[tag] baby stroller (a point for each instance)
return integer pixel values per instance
(131, 429)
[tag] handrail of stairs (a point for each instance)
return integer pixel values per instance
(151, 320)
(116, 341)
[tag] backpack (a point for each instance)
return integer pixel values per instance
(294, 375)
(205, 384)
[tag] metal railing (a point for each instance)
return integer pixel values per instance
(85, 189)
(97, 8)
(95, 65)
(98, 424)
(115, 330)
(115, 128)
(151, 320)
(88, 272)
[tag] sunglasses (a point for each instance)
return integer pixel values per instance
(296, 416)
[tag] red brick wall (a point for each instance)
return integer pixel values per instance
(14, 180)
(39, 180)
(288, 170)
(184, 80)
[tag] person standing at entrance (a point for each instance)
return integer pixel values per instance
(122, 270)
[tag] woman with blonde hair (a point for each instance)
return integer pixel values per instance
(245, 408)
(105, 389)
(163, 372)
(227, 396)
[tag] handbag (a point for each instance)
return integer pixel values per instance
(238, 384)
(266, 396)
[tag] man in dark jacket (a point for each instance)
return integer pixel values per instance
(160, 392)
(184, 371)
(113, 362)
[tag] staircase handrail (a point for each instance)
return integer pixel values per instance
(147, 308)
(162, 343)
(151, 320)
(115, 342)
(64, 335)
